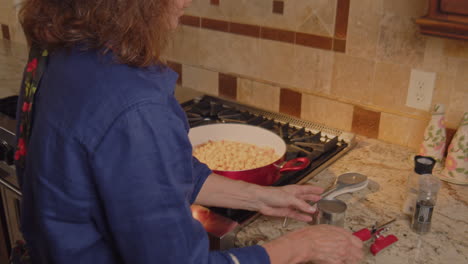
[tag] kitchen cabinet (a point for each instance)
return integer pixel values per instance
(447, 18)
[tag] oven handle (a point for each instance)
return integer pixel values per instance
(10, 187)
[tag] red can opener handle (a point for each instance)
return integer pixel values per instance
(367, 233)
(382, 242)
(363, 234)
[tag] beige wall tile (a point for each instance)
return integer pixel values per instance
(242, 55)
(213, 46)
(229, 53)
(247, 11)
(314, 25)
(390, 86)
(459, 97)
(289, 20)
(17, 34)
(352, 78)
(401, 130)
(314, 17)
(313, 69)
(4, 14)
(400, 41)
(458, 106)
(328, 112)
(258, 94)
(443, 89)
(184, 45)
(7, 11)
(9, 16)
(411, 8)
(456, 48)
(9, 74)
(194, 8)
(363, 28)
(203, 8)
(275, 61)
(416, 133)
(436, 60)
(200, 79)
(17, 50)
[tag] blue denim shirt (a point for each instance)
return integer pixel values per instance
(109, 174)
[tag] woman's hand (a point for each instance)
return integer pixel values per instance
(290, 201)
(283, 201)
(322, 244)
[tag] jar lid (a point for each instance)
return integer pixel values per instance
(333, 206)
(423, 164)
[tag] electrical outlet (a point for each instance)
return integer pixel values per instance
(420, 89)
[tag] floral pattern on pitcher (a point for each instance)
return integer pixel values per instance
(456, 164)
(435, 136)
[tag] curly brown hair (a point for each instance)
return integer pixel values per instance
(135, 30)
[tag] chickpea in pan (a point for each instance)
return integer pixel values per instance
(234, 156)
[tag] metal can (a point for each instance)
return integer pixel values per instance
(330, 212)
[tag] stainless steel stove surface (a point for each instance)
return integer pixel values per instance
(320, 144)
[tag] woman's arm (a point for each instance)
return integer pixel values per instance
(275, 201)
(323, 244)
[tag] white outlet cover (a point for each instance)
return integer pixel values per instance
(420, 90)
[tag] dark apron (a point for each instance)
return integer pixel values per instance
(37, 62)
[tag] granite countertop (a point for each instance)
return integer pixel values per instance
(387, 167)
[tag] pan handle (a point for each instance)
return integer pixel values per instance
(295, 164)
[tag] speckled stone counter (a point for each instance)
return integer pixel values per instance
(387, 167)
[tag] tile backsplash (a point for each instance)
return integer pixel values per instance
(11, 28)
(342, 63)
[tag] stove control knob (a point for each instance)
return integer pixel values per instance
(7, 152)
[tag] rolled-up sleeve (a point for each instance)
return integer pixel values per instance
(146, 178)
(200, 173)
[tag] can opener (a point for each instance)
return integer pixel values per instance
(345, 183)
(380, 241)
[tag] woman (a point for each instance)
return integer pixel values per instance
(103, 155)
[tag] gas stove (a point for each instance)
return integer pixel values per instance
(320, 144)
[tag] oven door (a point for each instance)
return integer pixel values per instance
(12, 210)
(10, 213)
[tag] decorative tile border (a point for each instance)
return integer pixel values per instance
(215, 24)
(227, 86)
(190, 21)
(244, 29)
(5, 32)
(365, 122)
(314, 41)
(341, 20)
(290, 102)
(278, 35)
(278, 7)
(336, 43)
(339, 45)
(362, 121)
